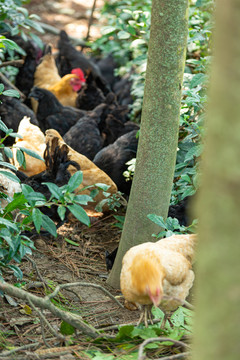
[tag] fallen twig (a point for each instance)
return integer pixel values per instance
(5, 81)
(63, 286)
(15, 63)
(20, 348)
(141, 355)
(44, 320)
(176, 356)
(45, 303)
(37, 271)
(116, 327)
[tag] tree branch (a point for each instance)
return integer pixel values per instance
(141, 355)
(45, 303)
(64, 286)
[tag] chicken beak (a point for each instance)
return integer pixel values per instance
(157, 298)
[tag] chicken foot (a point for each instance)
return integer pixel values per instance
(146, 315)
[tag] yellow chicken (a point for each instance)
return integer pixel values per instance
(65, 89)
(158, 273)
(32, 139)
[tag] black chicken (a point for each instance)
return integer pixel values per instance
(112, 159)
(51, 114)
(90, 95)
(70, 58)
(85, 136)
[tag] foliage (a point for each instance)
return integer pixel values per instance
(26, 210)
(126, 37)
(129, 336)
(171, 226)
(15, 20)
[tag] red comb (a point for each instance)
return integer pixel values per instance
(79, 73)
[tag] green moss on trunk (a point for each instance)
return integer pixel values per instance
(156, 156)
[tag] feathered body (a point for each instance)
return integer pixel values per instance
(112, 159)
(8, 187)
(32, 139)
(91, 173)
(65, 89)
(153, 270)
(52, 114)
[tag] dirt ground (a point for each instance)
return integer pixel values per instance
(57, 260)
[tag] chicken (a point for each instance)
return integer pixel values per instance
(180, 211)
(114, 128)
(70, 58)
(25, 77)
(57, 163)
(159, 273)
(84, 136)
(112, 159)
(90, 95)
(65, 89)
(12, 110)
(32, 139)
(7, 187)
(53, 115)
(91, 173)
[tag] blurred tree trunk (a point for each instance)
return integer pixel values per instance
(217, 330)
(156, 156)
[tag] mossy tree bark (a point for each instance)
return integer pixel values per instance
(217, 330)
(156, 156)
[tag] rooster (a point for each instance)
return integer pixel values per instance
(65, 89)
(32, 139)
(158, 273)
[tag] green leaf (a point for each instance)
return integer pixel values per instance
(75, 180)
(123, 35)
(10, 176)
(16, 202)
(54, 189)
(1, 88)
(82, 199)
(101, 186)
(66, 329)
(197, 79)
(35, 196)
(61, 212)
(79, 213)
(8, 152)
(12, 93)
(3, 127)
(30, 152)
(125, 332)
(49, 225)
(8, 223)
(37, 218)
(157, 220)
(193, 152)
(107, 30)
(71, 242)
(157, 313)
(177, 317)
(21, 158)
(16, 271)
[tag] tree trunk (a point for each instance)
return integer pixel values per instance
(156, 156)
(217, 329)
